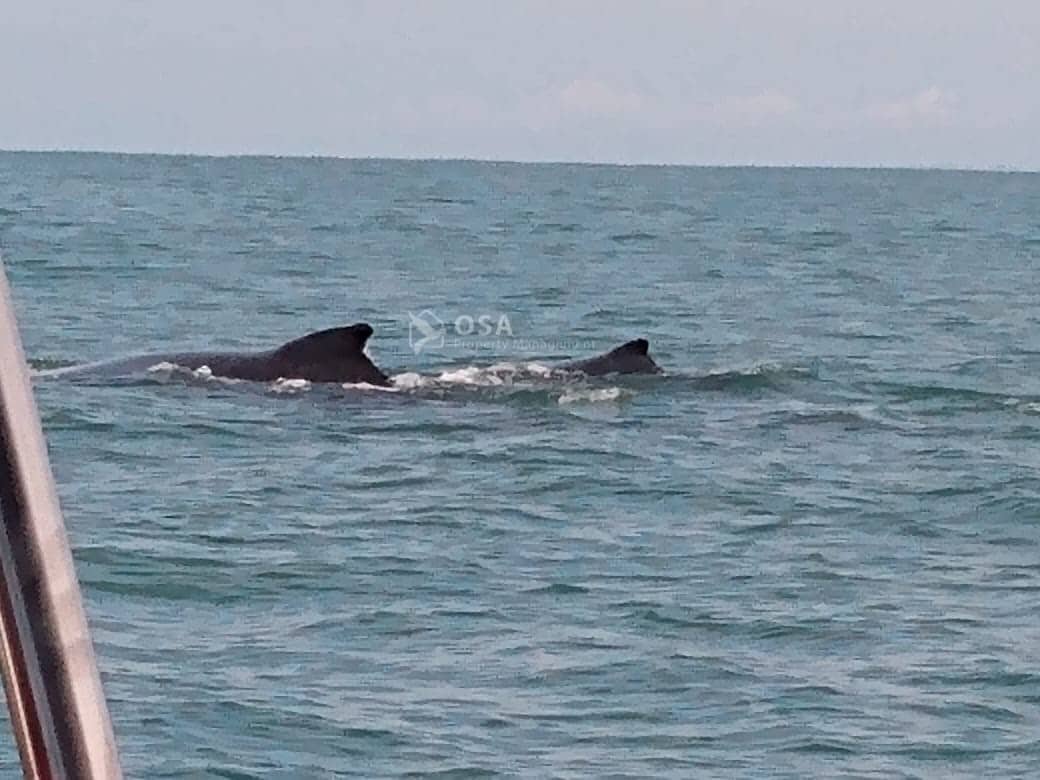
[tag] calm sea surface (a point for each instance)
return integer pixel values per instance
(812, 548)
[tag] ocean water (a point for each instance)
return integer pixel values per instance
(810, 549)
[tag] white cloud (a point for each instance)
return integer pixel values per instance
(931, 106)
(585, 98)
(753, 109)
(590, 97)
(553, 116)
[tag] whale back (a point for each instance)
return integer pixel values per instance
(632, 357)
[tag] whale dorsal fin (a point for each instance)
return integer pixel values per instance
(632, 357)
(633, 347)
(333, 342)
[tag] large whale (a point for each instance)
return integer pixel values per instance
(333, 355)
(632, 357)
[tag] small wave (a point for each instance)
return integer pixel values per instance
(449, 201)
(852, 418)
(638, 235)
(592, 396)
(559, 589)
(557, 227)
(824, 239)
(848, 417)
(1030, 407)
(959, 397)
(945, 226)
(755, 378)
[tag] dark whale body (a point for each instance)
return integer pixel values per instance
(632, 357)
(333, 355)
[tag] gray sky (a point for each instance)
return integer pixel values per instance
(909, 82)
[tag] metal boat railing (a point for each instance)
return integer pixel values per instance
(58, 709)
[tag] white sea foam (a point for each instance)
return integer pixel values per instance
(592, 396)
(369, 386)
(289, 386)
(537, 369)
(165, 367)
(503, 368)
(166, 370)
(408, 381)
(472, 375)
(494, 375)
(504, 374)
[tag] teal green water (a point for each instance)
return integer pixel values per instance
(810, 549)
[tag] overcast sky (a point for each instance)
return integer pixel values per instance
(885, 82)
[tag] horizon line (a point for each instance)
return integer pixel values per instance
(851, 166)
